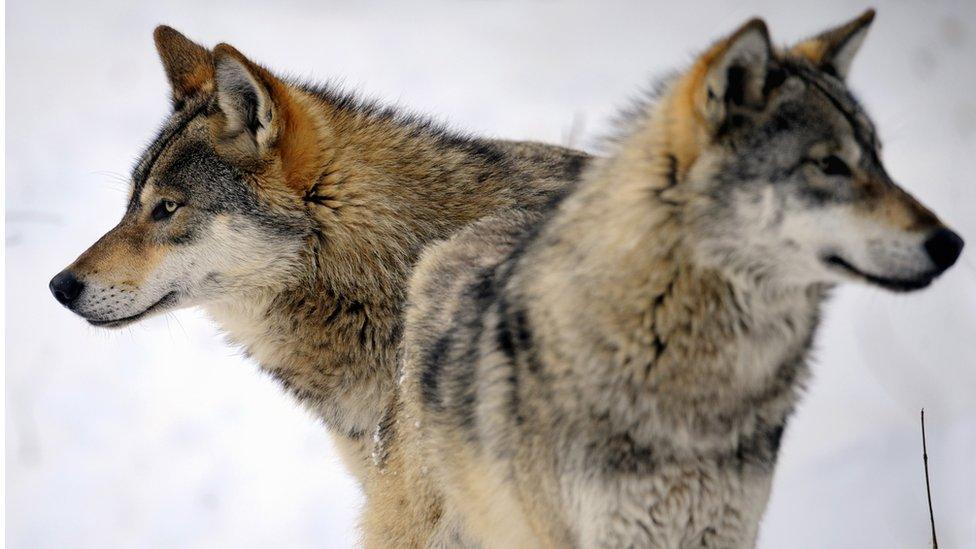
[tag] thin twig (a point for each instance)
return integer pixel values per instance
(928, 489)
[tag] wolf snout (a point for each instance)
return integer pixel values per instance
(66, 287)
(944, 247)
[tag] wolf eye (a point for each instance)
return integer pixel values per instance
(833, 165)
(164, 209)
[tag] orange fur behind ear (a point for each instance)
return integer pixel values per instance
(297, 133)
(299, 138)
(688, 130)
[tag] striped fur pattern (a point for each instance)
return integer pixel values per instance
(293, 214)
(617, 368)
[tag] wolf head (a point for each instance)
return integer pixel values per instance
(780, 167)
(216, 205)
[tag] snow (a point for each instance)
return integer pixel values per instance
(163, 436)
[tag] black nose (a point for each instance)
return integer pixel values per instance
(66, 287)
(944, 247)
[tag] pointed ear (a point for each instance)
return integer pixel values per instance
(188, 65)
(245, 97)
(833, 50)
(734, 72)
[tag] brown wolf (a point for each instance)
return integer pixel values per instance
(293, 214)
(617, 370)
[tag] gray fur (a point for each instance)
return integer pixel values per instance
(617, 369)
(300, 212)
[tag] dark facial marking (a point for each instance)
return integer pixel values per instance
(843, 101)
(833, 165)
(185, 237)
(159, 145)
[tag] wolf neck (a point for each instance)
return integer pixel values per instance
(616, 267)
(384, 190)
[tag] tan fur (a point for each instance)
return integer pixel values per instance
(362, 191)
(188, 65)
(689, 131)
(896, 208)
(822, 48)
(588, 375)
(123, 257)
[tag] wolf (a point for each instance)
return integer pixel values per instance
(617, 369)
(292, 213)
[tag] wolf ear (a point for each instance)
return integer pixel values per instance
(261, 116)
(833, 50)
(735, 72)
(244, 95)
(188, 65)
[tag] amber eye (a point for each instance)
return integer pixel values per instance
(164, 209)
(833, 165)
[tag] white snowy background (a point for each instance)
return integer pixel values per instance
(162, 436)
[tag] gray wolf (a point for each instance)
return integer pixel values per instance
(293, 213)
(618, 369)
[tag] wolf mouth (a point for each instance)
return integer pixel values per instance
(167, 299)
(894, 284)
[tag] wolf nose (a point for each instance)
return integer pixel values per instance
(944, 247)
(66, 287)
